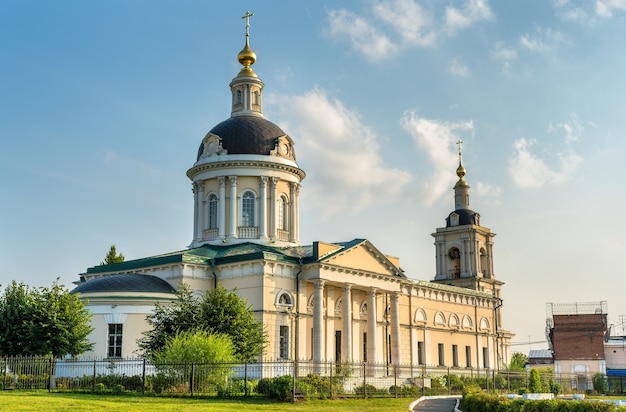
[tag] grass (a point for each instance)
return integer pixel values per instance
(44, 401)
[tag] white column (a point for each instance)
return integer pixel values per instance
(346, 338)
(194, 190)
(263, 208)
(318, 321)
(292, 212)
(372, 355)
(296, 215)
(199, 189)
(233, 207)
(273, 200)
(222, 208)
(396, 355)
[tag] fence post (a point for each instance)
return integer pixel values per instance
(245, 379)
(191, 382)
(330, 381)
(364, 383)
(143, 378)
(93, 385)
(395, 379)
(51, 379)
(449, 386)
(293, 382)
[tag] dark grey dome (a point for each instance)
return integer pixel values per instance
(246, 135)
(466, 217)
(125, 283)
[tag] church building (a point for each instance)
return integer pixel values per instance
(327, 301)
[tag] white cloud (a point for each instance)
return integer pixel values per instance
(460, 18)
(505, 54)
(605, 8)
(361, 34)
(572, 128)
(408, 19)
(590, 12)
(502, 52)
(531, 172)
(349, 172)
(458, 69)
(542, 40)
(437, 139)
(390, 26)
(488, 192)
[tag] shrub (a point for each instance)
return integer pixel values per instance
(118, 389)
(404, 390)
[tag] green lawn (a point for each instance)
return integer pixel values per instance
(44, 401)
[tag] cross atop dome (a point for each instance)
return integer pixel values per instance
(246, 56)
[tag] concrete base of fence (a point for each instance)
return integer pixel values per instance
(538, 396)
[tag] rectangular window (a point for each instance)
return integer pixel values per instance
(420, 353)
(455, 356)
(364, 347)
(213, 212)
(283, 342)
(442, 361)
(114, 347)
(485, 358)
(337, 346)
(468, 356)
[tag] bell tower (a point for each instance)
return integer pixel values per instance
(464, 248)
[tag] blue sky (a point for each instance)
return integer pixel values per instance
(103, 106)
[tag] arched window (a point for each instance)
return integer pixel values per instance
(212, 209)
(255, 97)
(239, 99)
(247, 210)
(283, 213)
(420, 316)
(284, 299)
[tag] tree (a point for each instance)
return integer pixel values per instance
(112, 257)
(518, 361)
(225, 312)
(210, 352)
(42, 322)
(534, 385)
(217, 311)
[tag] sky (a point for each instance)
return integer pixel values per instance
(103, 105)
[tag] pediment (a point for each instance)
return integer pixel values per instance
(364, 257)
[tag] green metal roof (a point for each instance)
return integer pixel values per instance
(204, 255)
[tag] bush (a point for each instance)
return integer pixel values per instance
(404, 390)
(117, 389)
(280, 388)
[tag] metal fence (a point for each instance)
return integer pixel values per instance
(285, 380)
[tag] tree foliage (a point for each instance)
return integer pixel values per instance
(42, 321)
(534, 384)
(112, 256)
(518, 361)
(210, 352)
(217, 311)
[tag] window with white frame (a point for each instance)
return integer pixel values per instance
(283, 342)
(212, 221)
(283, 213)
(247, 210)
(114, 346)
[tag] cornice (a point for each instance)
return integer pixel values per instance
(265, 164)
